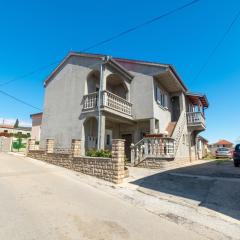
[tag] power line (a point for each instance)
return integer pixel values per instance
(28, 104)
(29, 73)
(19, 100)
(132, 29)
(118, 35)
(218, 44)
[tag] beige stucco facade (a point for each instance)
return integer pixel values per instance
(136, 98)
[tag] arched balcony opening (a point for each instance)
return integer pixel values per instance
(93, 82)
(117, 86)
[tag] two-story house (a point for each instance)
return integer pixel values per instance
(96, 98)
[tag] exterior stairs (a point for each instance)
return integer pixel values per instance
(170, 128)
(159, 151)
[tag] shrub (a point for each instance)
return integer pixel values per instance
(98, 153)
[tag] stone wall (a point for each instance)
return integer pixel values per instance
(156, 163)
(109, 169)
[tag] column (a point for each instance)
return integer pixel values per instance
(152, 126)
(118, 159)
(101, 131)
(76, 147)
(50, 145)
(31, 144)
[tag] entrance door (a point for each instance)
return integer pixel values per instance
(175, 108)
(128, 142)
(108, 138)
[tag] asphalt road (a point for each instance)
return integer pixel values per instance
(42, 201)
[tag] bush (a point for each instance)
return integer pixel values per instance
(99, 153)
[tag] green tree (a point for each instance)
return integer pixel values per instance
(18, 144)
(16, 125)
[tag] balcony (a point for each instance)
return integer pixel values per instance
(109, 102)
(196, 120)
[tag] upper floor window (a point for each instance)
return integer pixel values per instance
(161, 97)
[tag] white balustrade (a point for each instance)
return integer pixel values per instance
(90, 101)
(195, 118)
(108, 100)
(116, 103)
(152, 147)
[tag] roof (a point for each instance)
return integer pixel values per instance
(117, 63)
(23, 128)
(223, 142)
(104, 58)
(194, 97)
(202, 138)
(36, 115)
(6, 126)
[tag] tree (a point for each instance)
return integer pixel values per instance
(16, 123)
(18, 144)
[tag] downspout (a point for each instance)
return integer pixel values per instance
(99, 107)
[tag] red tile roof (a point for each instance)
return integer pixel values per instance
(223, 142)
(6, 126)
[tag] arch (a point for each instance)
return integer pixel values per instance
(90, 126)
(116, 85)
(93, 81)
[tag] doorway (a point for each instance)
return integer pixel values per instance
(175, 108)
(128, 141)
(108, 139)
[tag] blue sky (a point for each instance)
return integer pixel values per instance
(34, 34)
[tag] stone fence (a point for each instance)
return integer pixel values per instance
(109, 169)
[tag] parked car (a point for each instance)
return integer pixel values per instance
(236, 156)
(223, 152)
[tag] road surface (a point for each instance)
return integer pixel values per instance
(41, 201)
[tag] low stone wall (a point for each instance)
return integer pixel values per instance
(156, 163)
(109, 169)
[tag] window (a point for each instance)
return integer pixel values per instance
(6, 131)
(161, 97)
(108, 139)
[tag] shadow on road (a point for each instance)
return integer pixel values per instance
(214, 185)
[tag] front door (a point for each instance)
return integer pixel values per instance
(175, 108)
(128, 142)
(108, 139)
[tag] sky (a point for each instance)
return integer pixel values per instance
(38, 33)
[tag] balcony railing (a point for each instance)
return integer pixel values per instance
(195, 118)
(162, 148)
(108, 100)
(90, 101)
(116, 103)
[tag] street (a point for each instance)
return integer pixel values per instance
(42, 201)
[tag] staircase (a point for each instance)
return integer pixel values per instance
(162, 148)
(170, 128)
(178, 131)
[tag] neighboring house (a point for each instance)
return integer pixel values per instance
(36, 126)
(202, 147)
(145, 103)
(221, 143)
(7, 136)
(6, 128)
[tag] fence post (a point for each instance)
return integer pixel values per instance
(31, 144)
(49, 145)
(118, 159)
(76, 147)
